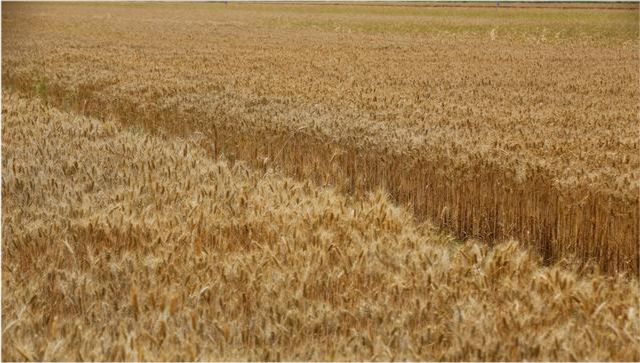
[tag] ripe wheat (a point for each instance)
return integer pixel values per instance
(494, 128)
(120, 245)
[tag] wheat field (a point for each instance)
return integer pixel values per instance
(118, 245)
(531, 117)
(210, 181)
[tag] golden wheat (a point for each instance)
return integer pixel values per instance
(493, 129)
(320, 182)
(119, 245)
